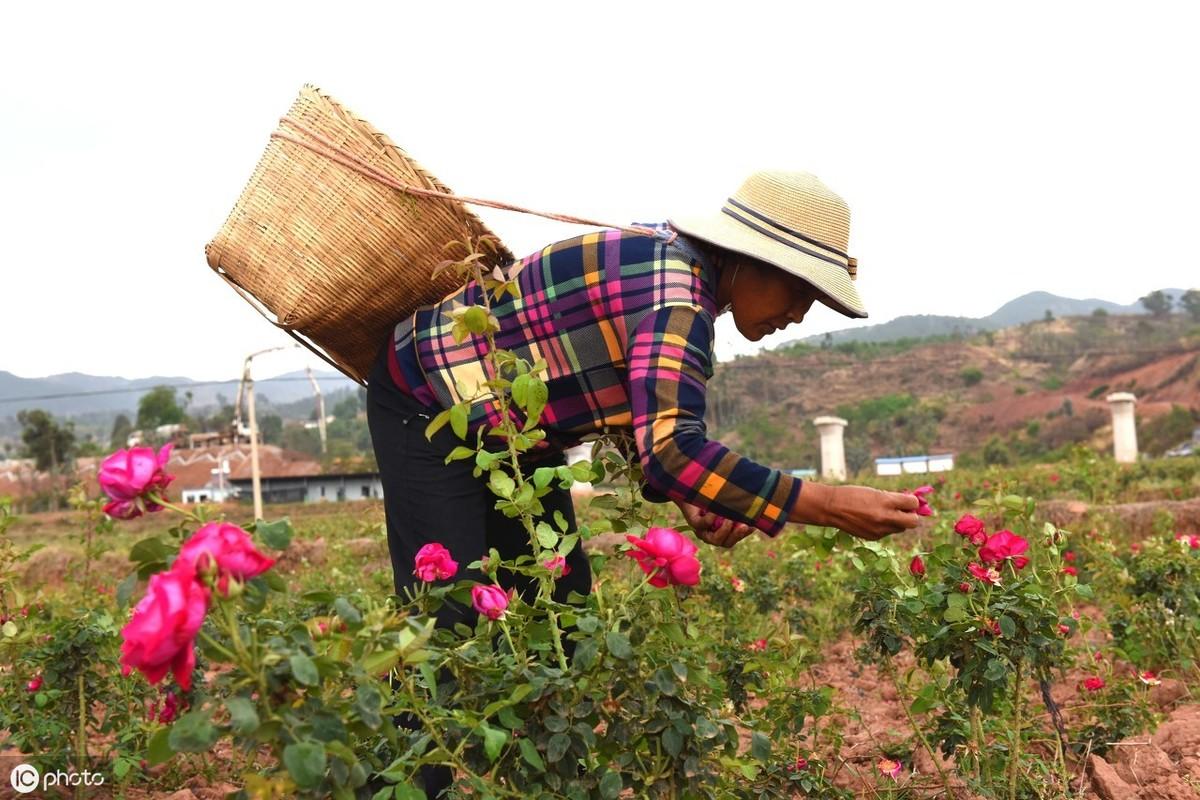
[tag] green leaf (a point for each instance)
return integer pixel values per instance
(125, 590)
(458, 420)
(996, 671)
(159, 750)
(368, 702)
(9, 629)
(305, 762)
(954, 614)
(501, 484)
(760, 746)
(494, 740)
(672, 741)
(304, 670)
(610, 785)
(347, 612)
(547, 537)
(192, 733)
(1084, 590)
(531, 755)
(406, 791)
(459, 453)
(542, 477)
(243, 718)
(1007, 626)
(436, 424)
(618, 645)
(148, 550)
(277, 535)
(520, 390)
(476, 319)
(557, 747)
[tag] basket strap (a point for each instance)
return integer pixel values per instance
(323, 146)
(254, 302)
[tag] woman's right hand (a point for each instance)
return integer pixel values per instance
(858, 510)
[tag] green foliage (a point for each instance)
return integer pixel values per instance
(121, 429)
(1161, 433)
(1158, 303)
(1190, 303)
(158, 407)
(49, 444)
(971, 376)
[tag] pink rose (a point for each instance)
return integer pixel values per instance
(34, 684)
(972, 528)
(226, 548)
(161, 635)
(558, 566)
(434, 563)
(923, 509)
(1004, 545)
(758, 645)
(490, 601)
(890, 768)
(667, 555)
(127, 476)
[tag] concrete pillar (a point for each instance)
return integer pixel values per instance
(833, 453)
(1125, 448)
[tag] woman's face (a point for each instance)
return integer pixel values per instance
(765, 299)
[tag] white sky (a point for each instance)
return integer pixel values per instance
(986, 150)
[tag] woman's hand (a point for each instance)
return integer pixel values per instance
(714, 529)
(858, 510)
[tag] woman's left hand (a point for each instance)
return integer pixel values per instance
(712, 528)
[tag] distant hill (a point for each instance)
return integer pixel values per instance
(74, 394)
(1026, 308)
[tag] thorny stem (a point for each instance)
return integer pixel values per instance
(1014, 755)
(545, 585)
(162, 501)
(980, 745)
(912, 723)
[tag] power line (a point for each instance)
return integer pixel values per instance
(95, 392)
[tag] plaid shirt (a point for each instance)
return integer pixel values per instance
(625, 323)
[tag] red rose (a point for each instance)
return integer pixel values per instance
(1004, 545)
(923, 509)
(1069, 556)
(917, 567)
(972, 528)
(34, 684)
(225, 548)
(161, 635)
(433, 563)
(128, 476)
(558, 566)
(1069, 570)
(490, 601)
(667, 555)
(1093, 684)
(984, 573)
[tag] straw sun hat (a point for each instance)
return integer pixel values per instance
(792, 221)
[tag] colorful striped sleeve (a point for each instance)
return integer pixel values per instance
(669, 363)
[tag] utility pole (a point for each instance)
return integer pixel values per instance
(248, 384)
(320, 408)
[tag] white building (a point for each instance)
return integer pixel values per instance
(914, 465)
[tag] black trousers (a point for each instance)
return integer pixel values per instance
(427, 500)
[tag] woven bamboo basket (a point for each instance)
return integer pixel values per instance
(325, 249)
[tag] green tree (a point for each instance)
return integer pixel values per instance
(1191, 303)
(50, 445)
(158, 407)
(121, 429)
(1157, 303)
(271, 428)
